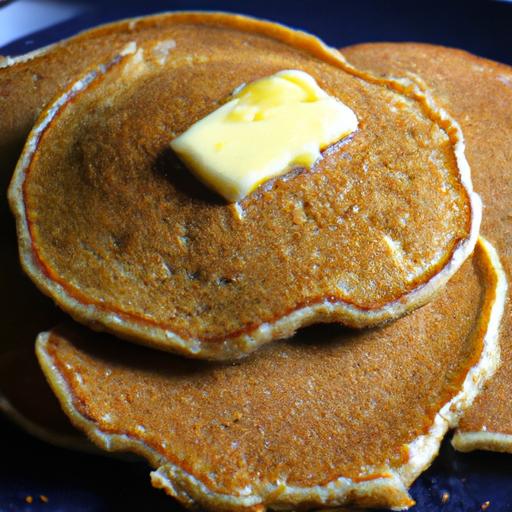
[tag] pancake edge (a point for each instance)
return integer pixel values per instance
(468, 441)
(463, 440)
(139, 329)
(7, 61)
(389, 490)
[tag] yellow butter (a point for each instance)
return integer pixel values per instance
(268, 126)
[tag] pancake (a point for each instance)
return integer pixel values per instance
(123, 238)
(329, 417)
(24, 312)
(478, 93)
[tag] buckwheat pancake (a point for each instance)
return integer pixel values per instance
(478, 93)
(121, 236)
(328, 417)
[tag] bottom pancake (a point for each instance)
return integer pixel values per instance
(478, 93)
(329, 417)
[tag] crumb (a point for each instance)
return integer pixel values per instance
(485, 505)
(445, 496)
(43, 498)
(29, 499)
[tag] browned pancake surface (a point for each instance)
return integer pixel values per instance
(116, 222)
(478, 93)
(325, 404)
(25, 88)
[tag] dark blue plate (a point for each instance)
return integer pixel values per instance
(75, 482)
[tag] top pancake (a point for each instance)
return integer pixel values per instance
(124, 238)
(478, 93)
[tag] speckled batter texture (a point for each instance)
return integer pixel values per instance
(326, 404)
(478, 93)
(119, 224)
(29, 84)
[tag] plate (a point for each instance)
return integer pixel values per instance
(38, 477)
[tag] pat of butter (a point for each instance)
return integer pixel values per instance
(268, 126)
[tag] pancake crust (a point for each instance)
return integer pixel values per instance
(329, 417)
(122, 237)
(478, 93)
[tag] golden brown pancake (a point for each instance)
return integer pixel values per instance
(328, 417)
(478, 93)
(123, 238)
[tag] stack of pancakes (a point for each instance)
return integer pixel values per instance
(228, 393)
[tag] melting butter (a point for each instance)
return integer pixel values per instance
(268, 126)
